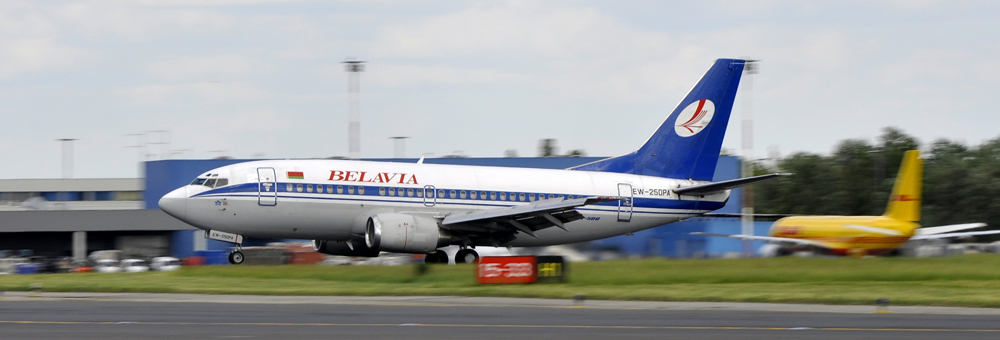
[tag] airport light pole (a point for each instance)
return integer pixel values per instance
(750, 68)
(398, 146)
(354, 69)
(67, 156)
(164, 143)
(140, 150)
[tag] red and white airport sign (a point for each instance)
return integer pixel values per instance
(520, 269)
(506, 269)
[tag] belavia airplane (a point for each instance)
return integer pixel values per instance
(359, 208)
(864, 235)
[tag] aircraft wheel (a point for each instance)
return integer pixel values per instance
(236, 257)
(437, 257)
(466, 256)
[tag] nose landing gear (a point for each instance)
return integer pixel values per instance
(236, 257)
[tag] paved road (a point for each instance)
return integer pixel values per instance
(173, 316)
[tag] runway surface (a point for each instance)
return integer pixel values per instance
(173, 316)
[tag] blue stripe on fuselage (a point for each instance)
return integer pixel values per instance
(638, 203)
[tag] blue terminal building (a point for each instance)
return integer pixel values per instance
(72, 217)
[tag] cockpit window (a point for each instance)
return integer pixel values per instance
(211, 183)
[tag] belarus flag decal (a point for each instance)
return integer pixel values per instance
(296, 175)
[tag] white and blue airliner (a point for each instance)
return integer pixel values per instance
(359, 208)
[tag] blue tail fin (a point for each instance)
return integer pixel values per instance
(688, 142)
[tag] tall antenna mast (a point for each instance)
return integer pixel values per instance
(354, 69)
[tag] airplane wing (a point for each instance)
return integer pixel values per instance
(526, 218)
(950, 235)
(754, 216)
(947, 228)
(771, 239)
(711, 188)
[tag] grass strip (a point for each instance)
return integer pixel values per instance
(972, 281)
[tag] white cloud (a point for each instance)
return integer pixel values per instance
(25, 55)
(112, 20)
(514, 30)
(199, 93)
(404, 75)
(186, 67)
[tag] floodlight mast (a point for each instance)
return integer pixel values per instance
(67, 156)
(398, 146)
(750, 68)
(354, 69)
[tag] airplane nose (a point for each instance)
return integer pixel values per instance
(174, 203)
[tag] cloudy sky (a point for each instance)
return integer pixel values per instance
(259, 78)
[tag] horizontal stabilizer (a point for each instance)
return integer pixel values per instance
(711, 188)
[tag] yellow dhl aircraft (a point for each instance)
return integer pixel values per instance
(864, 235)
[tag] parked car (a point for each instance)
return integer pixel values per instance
(134, 266)
(165, 264)
(107, 266)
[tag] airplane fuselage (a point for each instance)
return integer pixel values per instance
(871, 234)
(333, 199)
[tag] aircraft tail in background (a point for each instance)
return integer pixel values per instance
(904, 202)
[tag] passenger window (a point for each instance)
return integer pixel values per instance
(451, 194)
(462, 194)
(440, 193)
(392, 191)
(520, 197)
(420, 193)
(350, 190)
(288, 187)
(361, 190)
(298, 187)
(340, 189)
(531, 197)
(309, 188)
(381, 191)
(329, 189)
(503, 196)
(222, 182)
(409, 192)
(493, 196)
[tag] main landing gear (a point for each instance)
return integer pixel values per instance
(465, 255)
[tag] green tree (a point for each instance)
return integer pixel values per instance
(547, 147)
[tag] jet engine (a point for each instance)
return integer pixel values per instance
(343, 248)
(404, 233)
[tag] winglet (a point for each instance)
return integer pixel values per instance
(904, 202)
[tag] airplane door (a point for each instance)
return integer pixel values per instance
(625, 206)
(430, 196)
(267, 187)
